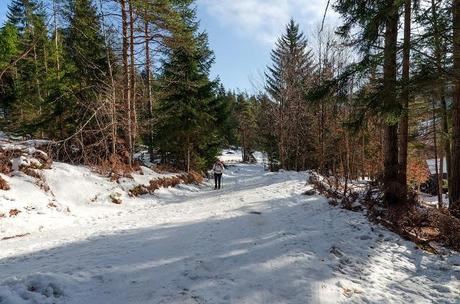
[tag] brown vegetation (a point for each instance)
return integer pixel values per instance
(116, 167)
(14, 212)
(155, 184)
(429, 228)
(4, 184)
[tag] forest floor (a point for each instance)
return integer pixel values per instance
(257, 240)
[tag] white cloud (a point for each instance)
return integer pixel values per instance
(265, 20)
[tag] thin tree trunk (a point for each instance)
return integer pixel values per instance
(441, 175)
(363, 166)
(455, 206)
(113, 107)
(445, 137)
(391, 180)
(148, 82)
(58, 68)
(132, 72)
(446, 144)
(435, 142)
(126, 84)
(188, 155)
(404, 122)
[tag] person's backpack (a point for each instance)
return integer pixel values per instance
(218, 168)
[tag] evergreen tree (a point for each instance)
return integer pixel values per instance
(287, 80)
(186, 132)
(30, 88)
(9, 39)
(366, 21)
(246, 118)
(85, 46)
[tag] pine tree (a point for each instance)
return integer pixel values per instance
(186, 127)
(84, 44)
(9, 39)
(30, 88)
(287, 81)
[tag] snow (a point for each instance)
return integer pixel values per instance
(230, 156)
(432, 200)
(256, 241)
(77, 196)
(432, 165)
(235, 155)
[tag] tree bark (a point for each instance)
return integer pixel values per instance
(455, 206)
(391, 180)
(435, 142)
(132, 73)
(126, 84)
(113, 108)
(439, 54)
(148, 81)
(404, 122)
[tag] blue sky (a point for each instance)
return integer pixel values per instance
(242, 33)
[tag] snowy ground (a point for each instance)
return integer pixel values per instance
(256, 241)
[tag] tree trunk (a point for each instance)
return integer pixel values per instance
(148, 81)
(455, 206)
(404, 122)
(439, 54)
(435, 142)
(132, 74)
(446, 143)
(188, 155)
(113, 118)
(126, 84)
(391, 180)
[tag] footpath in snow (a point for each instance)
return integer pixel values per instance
(258, 240)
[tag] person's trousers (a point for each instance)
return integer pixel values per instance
(217, 180)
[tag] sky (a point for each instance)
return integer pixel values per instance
(243, 32)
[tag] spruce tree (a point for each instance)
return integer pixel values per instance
(30, 87)
(84, 44)
(186, 132)
(287, 80)
(9, 39)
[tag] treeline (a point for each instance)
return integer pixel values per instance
(372, 98)
(104, 79)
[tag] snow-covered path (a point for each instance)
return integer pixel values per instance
(256, 241)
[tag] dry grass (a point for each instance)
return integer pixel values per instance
(4, 184)
(115, 167)
(14, 212)
(165, 168)
(138, 191)
(116, 198)
(429, 228)
(155, 184)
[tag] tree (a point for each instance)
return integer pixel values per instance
(287, 80)
(9, 48)
(455, 181)
(404, 121)
(245, 110)
(369, 19)
(29, 100)
(185, 128)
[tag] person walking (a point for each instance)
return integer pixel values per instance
(217, 169)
